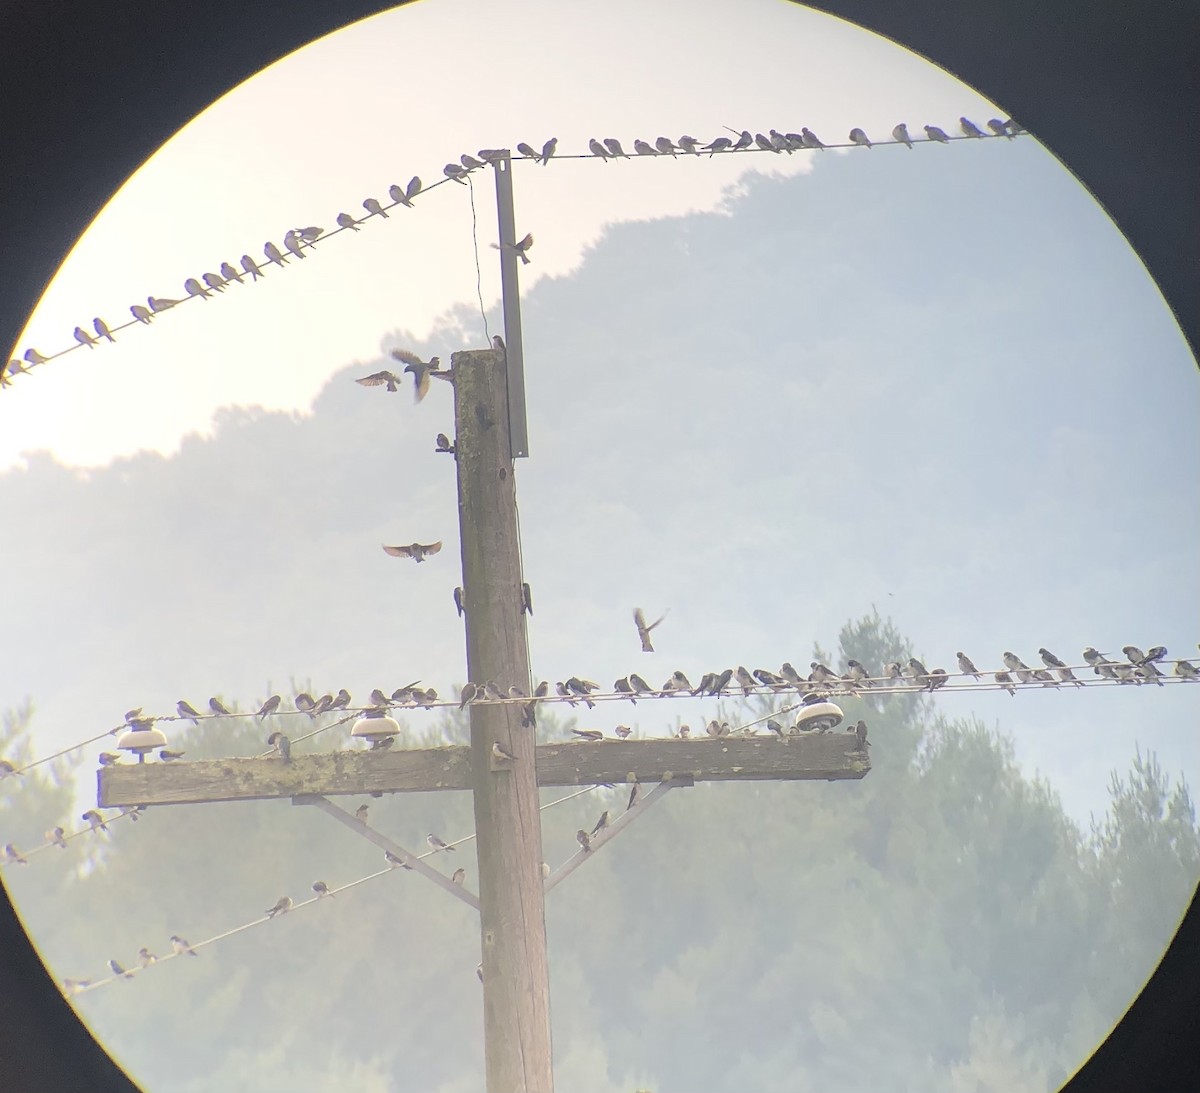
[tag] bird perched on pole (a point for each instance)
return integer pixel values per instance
(421, 370)
(639, 620)
(416, 551)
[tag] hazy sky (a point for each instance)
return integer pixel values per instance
(400, 95)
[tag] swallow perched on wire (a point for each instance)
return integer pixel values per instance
(1135, 655)
(371, 204)
(7, 768)
(282, 906)
(146, 957)
(84, 338)
(269, 707)
(322, 889)
(548, 150)
(1000, 128)
(13, 855)
(642, 148)
(469, 693)
(1186, 670)
(230, 274)
(969, 128)
(101, 328)
(274, 254)
(217, 707)
(186, 710)
(118, 970)
(721, 144)
(857, 136)
(856, 673)
(598, 149)
(418, 552)
(1005, 681)
(932, 132)
(436, 844)
(95, 820)
(214, 281)
(1064, 673)
(470, 162)
(665, 146)
(281, 744)
(58, 837)
(527, 151)
(345, 220)
(1017, 666)
(292, 242)
(157, 304)
(811, 140)
(601, 824)
(966, 667)
(614, 147)
(900, 134)
(142, 314)
(584, 839)
(180, 945)
(394, 861)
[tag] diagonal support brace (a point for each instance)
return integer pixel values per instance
(384, 843)
(615, 827)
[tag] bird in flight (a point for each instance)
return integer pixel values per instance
(421, 370)
(520, 247)
(416, 551)
(639, 620)
(378, 379)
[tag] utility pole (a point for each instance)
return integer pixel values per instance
(516, 985)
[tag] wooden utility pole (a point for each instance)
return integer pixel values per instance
(516, 982)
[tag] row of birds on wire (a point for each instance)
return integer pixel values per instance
(180, 946)
(821, 681)
(296, 241)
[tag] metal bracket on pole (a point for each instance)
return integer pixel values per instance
(510, 292)
(384, 843)
(615, 827)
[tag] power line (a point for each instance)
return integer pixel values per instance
(33, 359)
(86, 987)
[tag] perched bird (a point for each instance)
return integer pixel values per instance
(230, 274)
(168, 756)
(360, 813)
(1135, 655)
(857, 136)
(769, 679)
(856, 673)
(269, 707)
(966, 666)
(499, 751)
(969, 128)
(634, 792)
(469, 693)
(95, 820)
(601, 823)
(598, 149)
(442, 443)
(479, 967)
(622, 732)
(713, 728)
(470, 162)
(304, 702)
(765, 143)
(282, 906)
(684, 732)
(1092, 657)
(157, 304)
(614, 147)
(860, 733)
(548, 150)
(1040, 675)
(378, 379)
(341, 700)
(900, 133)
(321, 705)
(1157, 653)
(142, 314)
(118, 970)
(345, 220)
(58, 837)
(584, 839)
(932, 132)
(109, 759)
(743, 142)
(186, 710)
(383, 743)
(216, 282)
(416, 551)
(665, 146)
(1064, 673)
(1000, 128)
(811, 140)
(84, 338)
(371, 204)
(459, 875)
(13, 855)
(681, 681)
(292, 241)
(146, 957)
(643, 629)
(589, 734)
(1186, 670)
(1017, 666)
(526, 598)
(101, 328)
(410, 191)
(281, 744)
(216, 706)
(250, 266)
(528, 152)
(274, 254)
(492, 690)
(322, 889)
(688, 144)
(310, 234)
(623, 687)
(1005, 681)
(180, 945)
(458, 601)
(823, 674)
(721, 682)
(1149, 671)
(643, 149)
(721, 144)
(436, 844)
(745, 680)
(7, 768)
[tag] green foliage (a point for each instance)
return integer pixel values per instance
(939, 926)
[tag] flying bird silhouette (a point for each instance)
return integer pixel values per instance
(419, 369)
(639, 620)
(416, 551)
